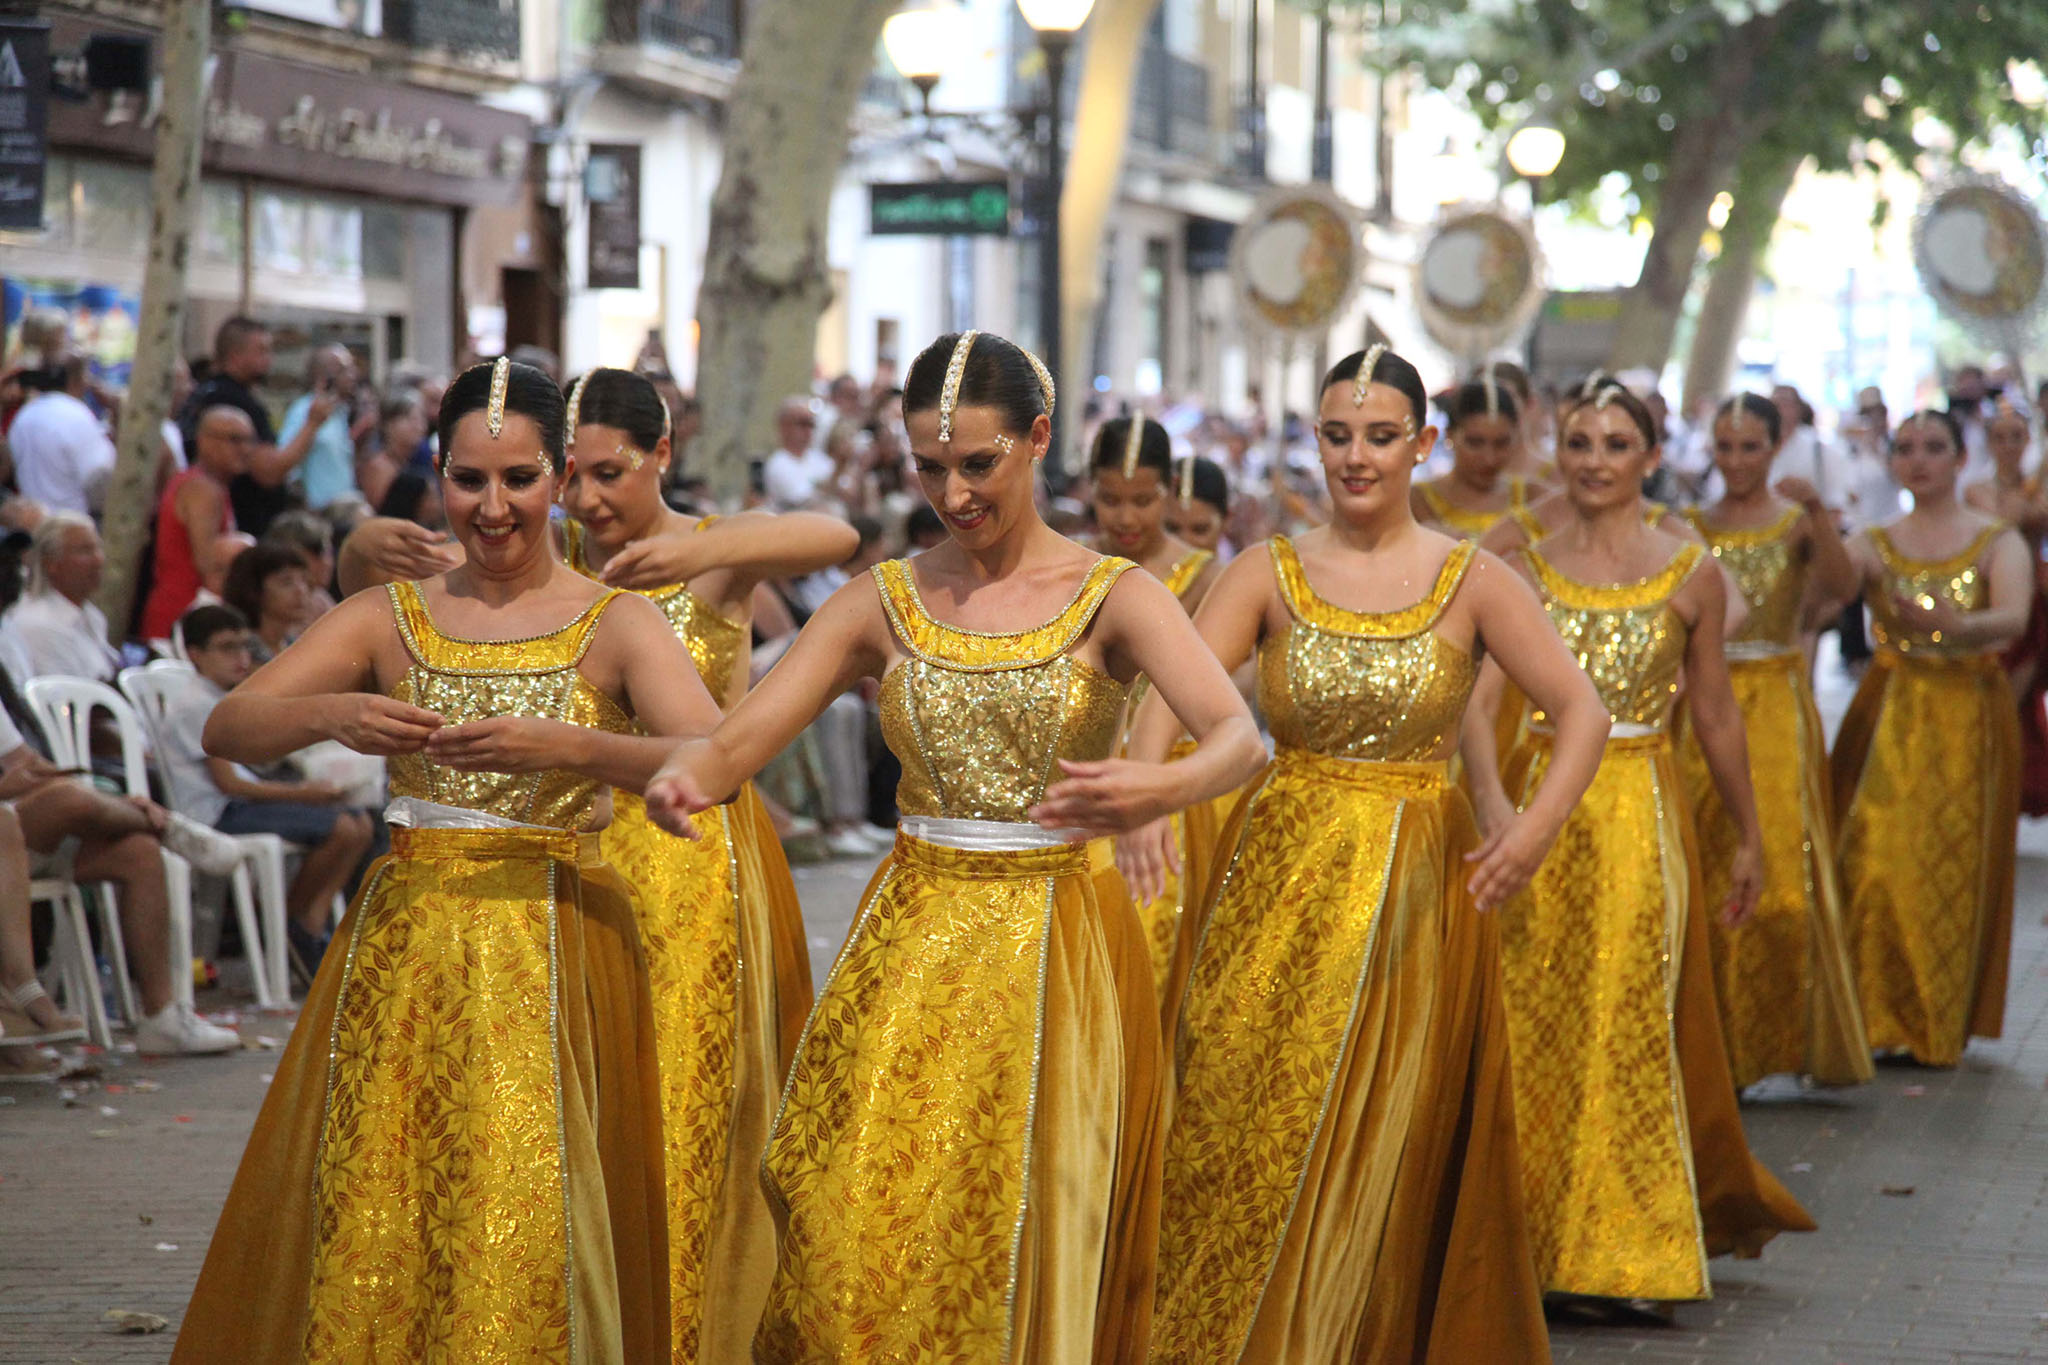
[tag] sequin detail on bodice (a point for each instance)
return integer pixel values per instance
(1364, 685)
(1767, 572)
(1626, 636)
(1474, 524)
(466, 680)
(716, 644)
(1957, 580)
(979, 721)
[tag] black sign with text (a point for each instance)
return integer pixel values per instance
(611, 182)
(940, 208)
(24, 120)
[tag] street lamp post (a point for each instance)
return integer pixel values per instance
(1056, 22)
(1533, 152)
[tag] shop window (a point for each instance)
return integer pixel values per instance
(280, 232)
(1151, 369)
(110, 207)
(384, 233)
(56, 228)
(334, 240)
(220, 224)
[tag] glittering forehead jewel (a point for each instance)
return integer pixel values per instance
(949, 395)
(575, 410)
(501, 378)
(1492, 391)
(1187, 479)
(1134, 444)
(1366, 366)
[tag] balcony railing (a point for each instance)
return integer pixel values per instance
(1170, 108)
(703, 28)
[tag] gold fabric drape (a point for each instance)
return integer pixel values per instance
(459, 1157)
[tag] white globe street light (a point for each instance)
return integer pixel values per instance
(920, 41)
(1056, 16)
(1535, 149)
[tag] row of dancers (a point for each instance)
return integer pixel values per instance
(1377, 1056)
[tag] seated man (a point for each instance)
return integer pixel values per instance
(73, 827)
(237, 801)
(55, 630)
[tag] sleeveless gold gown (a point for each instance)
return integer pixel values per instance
(1461, 521)
(1341, 1173)
(459, 1158)
(1926, 772)
(730, 974)
(1782, 980)
(1634, 1163)
(1194, 830)
(965, 1163)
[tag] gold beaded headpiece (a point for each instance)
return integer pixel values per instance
(501, 379)
(1492, 390)
(1044, 380)
(575, 411)
(1366, 365)
(1187, 479)
(1134, 444)
(949, 394)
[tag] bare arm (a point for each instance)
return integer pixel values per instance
(270, 465)
(319, 689)
(392, 550)
(1229, 624)
(744, 549)
(1717, 723)
(199, 505)
(238, 788)
(2009, 572)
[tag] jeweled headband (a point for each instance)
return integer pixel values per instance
(1366, 366)
(949, 395)
(1134, 445)
(1492, 390)
(1187, 479)
(575, 411)
(501, 379)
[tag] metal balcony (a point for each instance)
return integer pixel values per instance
(1170, 108)
(701, 28)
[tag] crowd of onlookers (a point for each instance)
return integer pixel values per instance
(252, 503)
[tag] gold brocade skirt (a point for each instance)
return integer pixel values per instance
(1634, 1163)
(459, 1158)
(722, 976)
(965, 1163)
(1926, 772)
(1341, 1174)
(1782, 981)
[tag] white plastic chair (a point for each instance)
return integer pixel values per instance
(65, 707)
(258, 887)
(72, 971)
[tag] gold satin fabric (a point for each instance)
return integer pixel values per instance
(1341, 1173)
(730, 973)
(965, 1162)
(1463, 521)
(459, 1158)
(1782, 981)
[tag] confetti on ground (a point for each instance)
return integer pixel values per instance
(108, 1111)
(1802, 1167)
(1896, 1191)
(166, 1246)
(1914, 1092)
(145, 1085)
(136, 1324)
(182, 1118)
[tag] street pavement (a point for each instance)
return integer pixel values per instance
(1931, 1189)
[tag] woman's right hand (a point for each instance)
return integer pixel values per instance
(1147, 856)
(392, 550)
(378, 726)
(678, 790)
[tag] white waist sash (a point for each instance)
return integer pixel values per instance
(409, 812)
(1757, 649)
(984, 836)
(1620, 729)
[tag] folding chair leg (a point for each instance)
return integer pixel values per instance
(178, 889)
(117, 952)
(78, 974)
(254, 945)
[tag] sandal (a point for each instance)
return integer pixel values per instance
(32, 1017)
(26, 1063)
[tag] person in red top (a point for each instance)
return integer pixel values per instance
(195, 523)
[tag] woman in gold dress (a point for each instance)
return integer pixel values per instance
(1782, 980)
(1483, 423)
(1341, 1180)
(460, 1156)
(1200, 504)
(2017, 499)
(1926, 766)
(727, 958)
(964, 1165)
(1131, 469)
(1633, 1159)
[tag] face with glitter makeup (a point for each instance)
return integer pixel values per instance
(1130, 511)
(497, 491)
(615, 495)
(1743, 451)
(1925, 459)
(1369, 450)
(1603, 458)
(981, 483)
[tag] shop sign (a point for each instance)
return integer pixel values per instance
(940, 208)
(611, 180)
(24, 115)
(285, 121)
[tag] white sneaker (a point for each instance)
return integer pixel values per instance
(177, 1029)
(849, 843)
(208, 850)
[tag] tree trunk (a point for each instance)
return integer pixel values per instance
(1704, 154)
(1102, 125)
(173, 195)
(766, 284)
(1759, 199)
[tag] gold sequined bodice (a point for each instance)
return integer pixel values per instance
(465, 680)
(1466, 522)
(716, 644)
(1626, 636)
(1364, 685)
(979, 721)
(1770, 577)
(1956, 580)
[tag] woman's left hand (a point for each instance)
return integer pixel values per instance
(655, 562)
(1108, 796)
(1927, 613)
(1745, 885)
(1506, 861)
(502, 744)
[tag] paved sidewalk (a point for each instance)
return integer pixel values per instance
(103, 1210)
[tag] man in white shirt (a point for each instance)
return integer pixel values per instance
(62, 455)
(55, 628)
(796, 476)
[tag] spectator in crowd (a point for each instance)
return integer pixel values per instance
(74, 829)
(234, 800)
(308, 536)
(540, 357)
(62, 455)
(55, 629)
(401, 427)
(415, 499)
(1969, 402)
(1199, 517)
(267, 584)
(849, 404)
(241, 360)
(923, 529)
(196, 538)
(795, 475)
(1805, 455)
(686, 419)
(329, 470)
